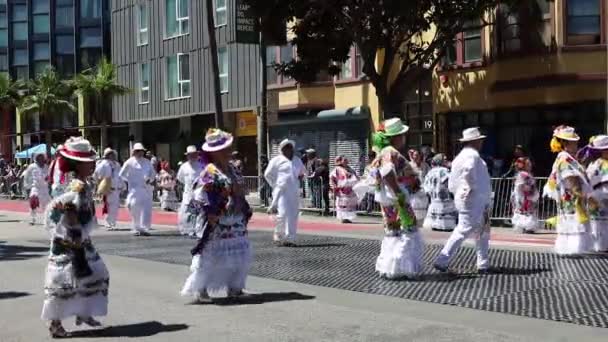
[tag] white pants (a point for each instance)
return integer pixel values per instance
(287, 217)
(469, 224)
(37, 215)
(140, 207)
(113, 200)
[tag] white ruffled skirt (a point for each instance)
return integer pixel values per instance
(401, 256)
(220, 269)
(525, 223)
(599, 233)
(168, 200)
(441, 216)
(572, 237)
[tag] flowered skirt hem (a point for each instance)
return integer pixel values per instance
(401, 256)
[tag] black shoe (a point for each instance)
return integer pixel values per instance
(442, 269)
(484, 271)
(145, 234)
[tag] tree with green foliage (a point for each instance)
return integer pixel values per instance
(11, 94)
(98, 86)
(48, 95)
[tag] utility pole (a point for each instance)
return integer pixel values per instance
(262, 126)
(219, 113)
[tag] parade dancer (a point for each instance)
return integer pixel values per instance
(110, 186)
(35, 179)
(391, 177)
(524, 198)
(598, 199)
(284, 174)
(442, 214)
(59, 180)
(187, 175)
(470, 184)
(139, 175)
(418, 197)
(342, 180)
(568, 186)
(77, 281)
(166, 182)
(222, 256)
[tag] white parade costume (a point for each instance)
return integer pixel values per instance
(418, 197)
(168, 198)
(342, 180)
(598, 204)
(110, 169)
(284, 175)
(470, 184)
(138, 172)
(35, 179)
(525, 203)
(187, 175)
(442, 214)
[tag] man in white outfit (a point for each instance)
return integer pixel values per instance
(470, 184)
(187, 175)
(109, 186)
(35, 179)
(139, 174)
(284, 173)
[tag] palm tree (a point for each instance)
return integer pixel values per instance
(47, 95)
(11, 94)
(99, 86)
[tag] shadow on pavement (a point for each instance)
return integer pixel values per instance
(16, 252)
(320, 245)
(259, 298)
(13, 294)
(144, 329)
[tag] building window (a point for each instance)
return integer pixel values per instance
(42, 55)
(142, 24)
(3, 62)
(144, 83)
(19, 22)
(64, 48)
(467, 47)
(3, 30)
(65, 45)
(223, 66)
(89, 57)
(20, 65)
(90, 37)
(178, 76)
(90, 9)
(353, 66)
(41, 24)
(271, 60)
(177, 17)
(221, 10)
(277, 55)
(527, 28)
(40, 6)
(583, 22)
(472, 45)
(346, 72)
(19, 12)
(64, 15)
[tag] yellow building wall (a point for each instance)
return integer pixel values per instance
(471, 89)
(360, 94)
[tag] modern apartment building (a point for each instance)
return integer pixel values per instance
(161, 49)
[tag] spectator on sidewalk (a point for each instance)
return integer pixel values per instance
(322, 186)
(265, 190)
(237, 162)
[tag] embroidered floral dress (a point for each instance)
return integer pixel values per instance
(222, 256)
(402, 246)
(342, 180)
(418, 197)
(568, 186)
(168, 199)
(598, 204)
(77, 281)
(442, 214)
(525, 203)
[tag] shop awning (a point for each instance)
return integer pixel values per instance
(30, 152)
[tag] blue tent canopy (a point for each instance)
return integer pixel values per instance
(30, 152)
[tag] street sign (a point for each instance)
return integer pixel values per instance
(246, 24)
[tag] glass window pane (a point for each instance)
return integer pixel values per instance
(90, 37)
(271, 55)
(183, 26)
(221, 18)
(286, 53)
(4, 62)
(21, 72)
(90, 9)
(65, 64)
(450, 54)
(40, 67)
(41, 23)
(40, 6)
(171, 18)
(64, 2)
(584, 25)
(89, 58)
(220, 3)
(3, 20)
(64, 17)
(19, 13)
(20, 57)
(41, 51)
(583, 7)
(183, 9)
(472, 49)
(65, 45)
(185, 88)
(172, 77)
(143, 16)
(224, 84)
(144, 75)
(347, 69)
(3, 37)
(184, 65)
(19, 31)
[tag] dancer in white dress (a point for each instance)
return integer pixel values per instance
(187, 175)
(568, 186)
(524, 198)
(35, 179)
(418, 197)
(77, 281)
(166, 182)
(109, 186)
(598, 200)
(222, 256)
(442, 214)
(342, 180)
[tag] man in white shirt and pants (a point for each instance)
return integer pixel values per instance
(139, 174)
(470, 183)
(107, 171)
(35, 179)
(187, 175)
(284, 173)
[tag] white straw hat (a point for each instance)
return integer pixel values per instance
(138, 147)
(471, 134)
(600, 142)
(217, 140)
(78, 149)
(394, 127)
(286, 142)
(566, 133)
(191, 149)
(108, 151)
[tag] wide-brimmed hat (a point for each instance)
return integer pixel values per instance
(311, 150)
(191, 150)
(600, 142)
(108, 151)
(471, 134)
(138, 147)
(566, 133)
(78, 149)
(217, 140)
(286, 142)
(394, 127)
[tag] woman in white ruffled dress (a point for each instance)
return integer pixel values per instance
(222, 256)
(166, 181)
(442, 214)
(525, 198)
(598, 199)
(568, 186)
(342, 179)
(77, 280)
(418, 197)
(390, 178)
